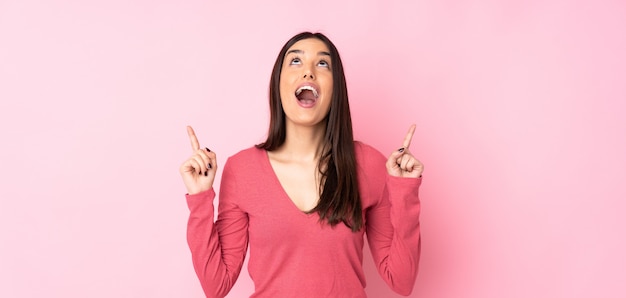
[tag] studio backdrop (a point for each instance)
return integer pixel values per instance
(519, 107)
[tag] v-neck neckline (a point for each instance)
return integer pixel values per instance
(284, 195)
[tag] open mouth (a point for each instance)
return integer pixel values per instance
(307, 94)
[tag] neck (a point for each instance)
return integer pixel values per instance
(303, 142)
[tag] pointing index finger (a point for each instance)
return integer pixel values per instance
(409, 136)
(192, 137)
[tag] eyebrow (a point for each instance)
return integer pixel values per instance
(323, 53)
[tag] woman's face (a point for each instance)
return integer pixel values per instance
(306, 82)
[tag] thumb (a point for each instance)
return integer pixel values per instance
(392, 161)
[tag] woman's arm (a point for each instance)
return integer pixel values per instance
(393, 227)
(218, 249)
(393, 233)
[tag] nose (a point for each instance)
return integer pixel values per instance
(308, 73)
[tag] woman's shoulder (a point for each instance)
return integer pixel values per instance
(365, 152)
(371, 172)
(248, 158)
(368, 158)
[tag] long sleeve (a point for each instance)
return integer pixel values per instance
(393, 233)
(218, 249)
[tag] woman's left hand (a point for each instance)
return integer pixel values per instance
(401, 163)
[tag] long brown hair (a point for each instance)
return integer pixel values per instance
(339, 190)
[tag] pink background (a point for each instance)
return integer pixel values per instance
(519, 105)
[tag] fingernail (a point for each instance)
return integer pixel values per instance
(206, 173)
(401, 150)
(207, 149)
(209, 166)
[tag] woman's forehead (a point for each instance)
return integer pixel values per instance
(308, 46)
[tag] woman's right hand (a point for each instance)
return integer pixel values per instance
(198, 171)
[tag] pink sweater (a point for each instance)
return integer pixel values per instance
(291, 253)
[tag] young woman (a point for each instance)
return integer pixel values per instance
(304, 198)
